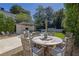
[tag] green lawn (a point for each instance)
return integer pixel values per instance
(60, 35)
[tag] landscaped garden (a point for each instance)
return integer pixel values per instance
(51, 27)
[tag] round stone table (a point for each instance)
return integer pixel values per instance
(50, 41)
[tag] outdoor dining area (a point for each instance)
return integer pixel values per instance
(41, 44)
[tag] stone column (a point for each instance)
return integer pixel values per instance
(69, 45)
(26, 43)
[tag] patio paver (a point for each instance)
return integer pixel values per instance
(10, 46)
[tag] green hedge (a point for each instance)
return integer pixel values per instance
(6, 23)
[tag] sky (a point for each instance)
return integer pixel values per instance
(32, 6)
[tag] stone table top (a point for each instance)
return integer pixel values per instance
(52, 40)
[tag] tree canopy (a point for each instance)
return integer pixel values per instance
(54, 18)
(71, 21)
(16, 9)
(22, 15)
(23, 18)
(41, 15)
(58, 18)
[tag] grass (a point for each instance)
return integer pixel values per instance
(60, 35)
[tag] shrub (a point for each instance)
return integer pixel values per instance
(6, 23)
(10, 24)
(2, 22)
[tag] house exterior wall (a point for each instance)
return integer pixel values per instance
(20, 28)
(31, 28)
